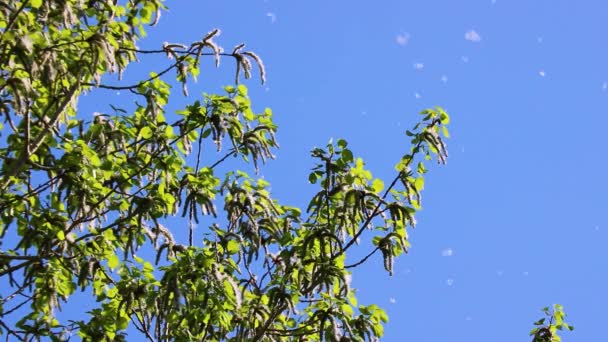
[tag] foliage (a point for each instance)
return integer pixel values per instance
(547, 331)
(84, 199)
(93, 203)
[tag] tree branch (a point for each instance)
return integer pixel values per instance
(159, 74)
(375, 211)
(364, 259)
(16, 267)
(24, 157)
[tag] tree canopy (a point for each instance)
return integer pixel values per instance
(106, 204)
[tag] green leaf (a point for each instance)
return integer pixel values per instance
(364, 310)
(376, 240)
(113, 261)
(146, 133)
(347, 155)
(206, 133)
(36, 3)
(383, 316)
(445, 131)
(73, 123)
(352, 298)
(377, 185)
(61, 235)
(312, 177)
(169, 132)
(233, 247)
(347, 309)
(421, 168)
(419, 183)
(122, 323)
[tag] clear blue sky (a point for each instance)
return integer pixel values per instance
(517, 220)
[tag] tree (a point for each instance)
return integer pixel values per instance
(93, 204)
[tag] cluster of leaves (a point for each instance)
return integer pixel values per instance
(547, 327)
(84, 198)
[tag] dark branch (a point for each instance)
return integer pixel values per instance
(364, 259)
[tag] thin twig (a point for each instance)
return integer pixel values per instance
(16, 267)
(10, 332)
(364, 259)
(158, 75)
(232, 152)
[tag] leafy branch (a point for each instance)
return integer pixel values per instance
(547, 328)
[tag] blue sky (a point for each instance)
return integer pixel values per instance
(517, 219)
